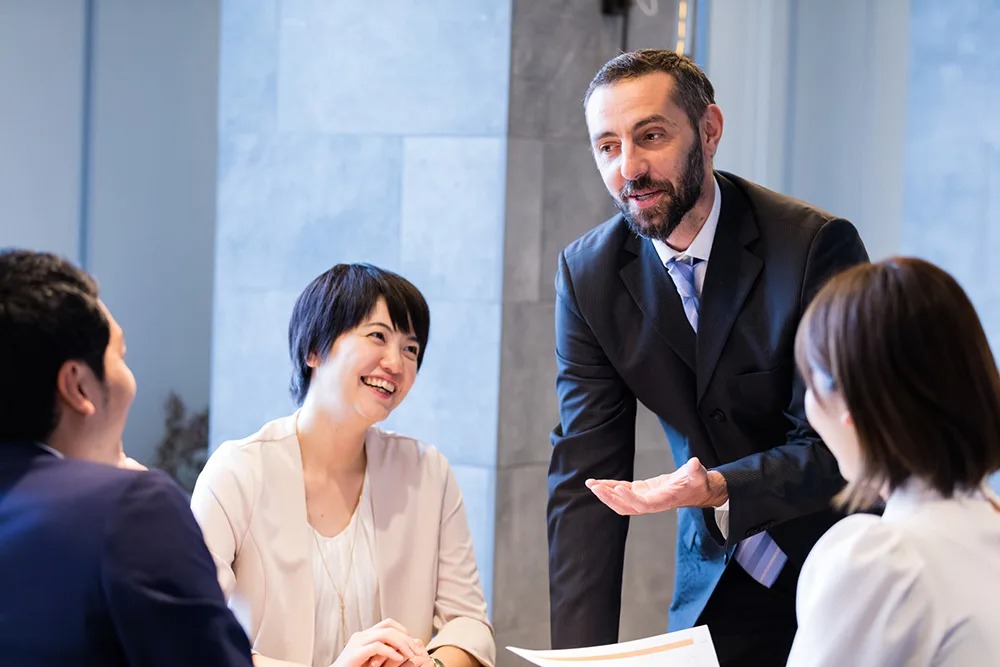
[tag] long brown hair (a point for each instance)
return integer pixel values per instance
(900, 341)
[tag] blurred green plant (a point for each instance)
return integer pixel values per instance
(183, 450)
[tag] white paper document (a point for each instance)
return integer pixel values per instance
(684, 648)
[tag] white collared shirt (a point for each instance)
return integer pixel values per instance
(701, 246)
(915, 587)
(54, 452)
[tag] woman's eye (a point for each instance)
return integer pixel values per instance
(378, 335)
(413, 350)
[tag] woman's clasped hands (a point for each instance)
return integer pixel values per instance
(385, 644)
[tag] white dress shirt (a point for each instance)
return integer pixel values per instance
(701, 246)
(54, 452)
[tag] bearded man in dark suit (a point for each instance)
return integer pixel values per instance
(687, 301)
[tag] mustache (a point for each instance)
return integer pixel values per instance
(645, 183)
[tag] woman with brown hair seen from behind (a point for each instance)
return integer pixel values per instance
(904, 390)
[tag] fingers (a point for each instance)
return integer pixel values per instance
(656, 494)
(617, 495)
(614, 499)
(591, 483)
(400, 641)
(394, 635)
(685, 487)
(628, 499)
(371, 652)
(391, 623)
(419, 661)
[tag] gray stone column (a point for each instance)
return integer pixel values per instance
(555, 194)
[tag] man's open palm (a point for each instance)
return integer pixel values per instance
(688, 486)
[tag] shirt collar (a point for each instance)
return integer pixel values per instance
(701, 246)
(54, 452)
(914, 494)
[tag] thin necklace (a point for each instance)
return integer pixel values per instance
(356, 518)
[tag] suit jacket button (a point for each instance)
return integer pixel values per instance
(719, 416)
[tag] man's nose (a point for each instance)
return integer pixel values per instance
(633, 163)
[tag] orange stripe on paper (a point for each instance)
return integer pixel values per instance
(629, 654)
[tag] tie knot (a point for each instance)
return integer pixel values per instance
(681, 269)
(687, 259)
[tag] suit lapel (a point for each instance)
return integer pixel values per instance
(732, 271)
(652, 289)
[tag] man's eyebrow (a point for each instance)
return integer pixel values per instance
(655, 118)
(648, 120)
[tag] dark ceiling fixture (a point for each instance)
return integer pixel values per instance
(614, 7)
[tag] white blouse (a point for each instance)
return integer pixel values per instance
(918, 587)
(353, 575)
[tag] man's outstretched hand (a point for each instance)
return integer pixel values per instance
(691, 485)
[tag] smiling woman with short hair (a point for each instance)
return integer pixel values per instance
(338, 542)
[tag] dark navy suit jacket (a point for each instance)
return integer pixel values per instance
(729, 395)
(102, 566)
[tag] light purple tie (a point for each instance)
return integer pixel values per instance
(681, 269)
(759, 555)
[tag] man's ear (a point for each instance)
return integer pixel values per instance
(77, 388)
(711, 129)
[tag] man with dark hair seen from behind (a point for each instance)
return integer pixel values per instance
(99, 565)
(687, 301)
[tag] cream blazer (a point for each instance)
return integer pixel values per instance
(250, 503)
(919, 586)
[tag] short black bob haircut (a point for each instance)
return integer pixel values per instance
(339, 300)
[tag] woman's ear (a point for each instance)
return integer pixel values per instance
(312, 360)
(77, 388)
(846, 418)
